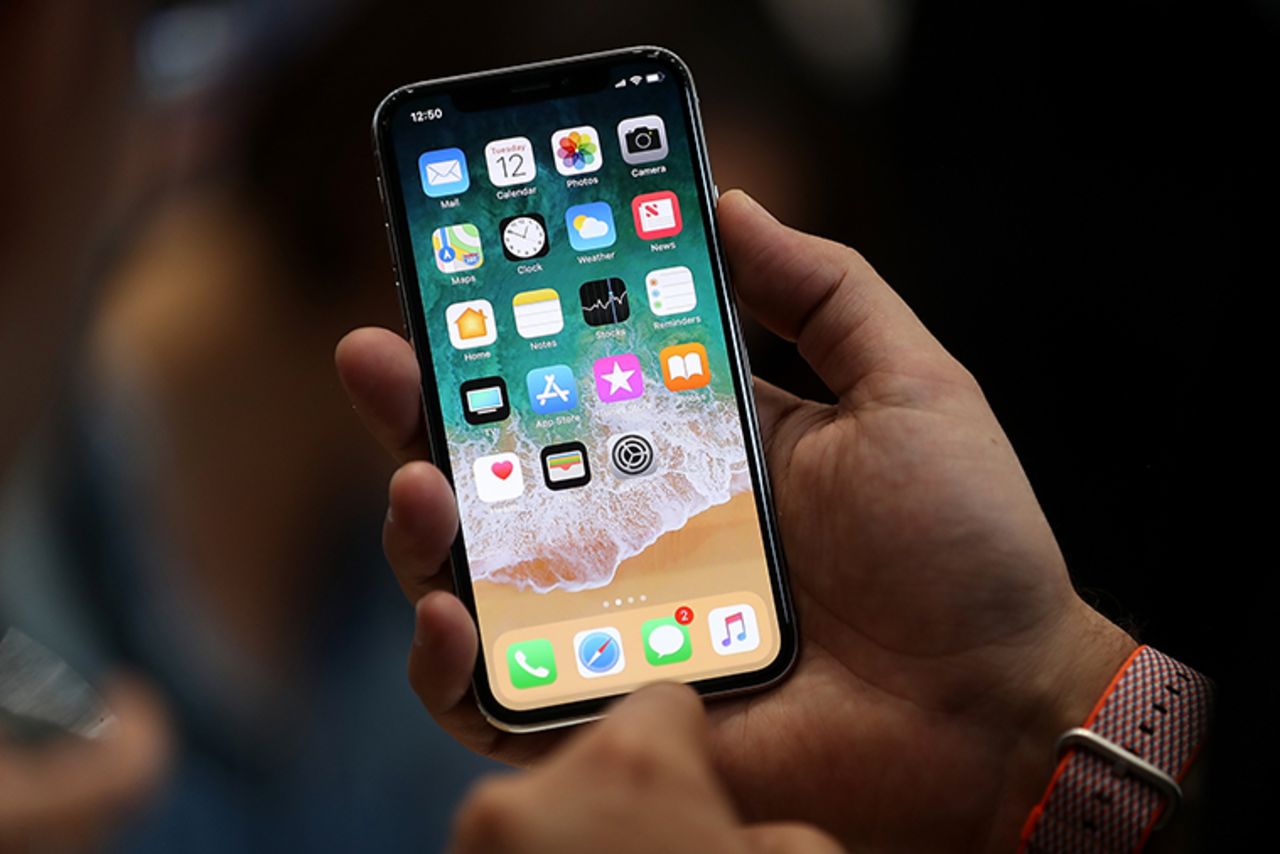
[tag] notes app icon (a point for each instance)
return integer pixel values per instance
(538, 313)
(733, 629)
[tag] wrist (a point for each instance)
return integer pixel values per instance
(1066, 674)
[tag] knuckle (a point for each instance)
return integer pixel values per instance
(627, 757)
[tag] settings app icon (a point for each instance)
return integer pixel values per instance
(631, 455)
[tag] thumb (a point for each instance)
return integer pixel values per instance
(847, 322)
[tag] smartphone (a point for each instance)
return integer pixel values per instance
(585, 386)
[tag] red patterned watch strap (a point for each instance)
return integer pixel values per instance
(1118, 774)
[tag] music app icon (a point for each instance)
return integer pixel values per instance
(733, 629)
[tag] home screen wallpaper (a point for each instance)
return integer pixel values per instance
(579, 350)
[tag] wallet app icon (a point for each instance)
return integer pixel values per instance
(444, 172)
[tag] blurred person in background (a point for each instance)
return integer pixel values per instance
(66, 73)
(203, 509)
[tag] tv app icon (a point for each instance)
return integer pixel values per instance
(604, 301)
(565, 466)
(485, 400)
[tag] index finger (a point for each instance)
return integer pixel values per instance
(380, 373)
(664, 720)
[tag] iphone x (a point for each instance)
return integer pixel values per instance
(584, 383)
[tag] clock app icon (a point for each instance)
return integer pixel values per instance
(524, 236)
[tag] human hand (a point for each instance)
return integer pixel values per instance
(68, 795)
(639, 781)
(943, 647)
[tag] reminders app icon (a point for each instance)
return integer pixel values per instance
(444, 172)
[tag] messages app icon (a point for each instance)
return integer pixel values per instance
(444, 172)
(531, 663)
(666, 641)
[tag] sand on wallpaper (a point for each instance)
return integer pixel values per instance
(716, 551)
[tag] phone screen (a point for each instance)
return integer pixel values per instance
(584, 385)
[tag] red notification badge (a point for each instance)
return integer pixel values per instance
(684, 615)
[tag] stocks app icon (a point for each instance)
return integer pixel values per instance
(604, 301)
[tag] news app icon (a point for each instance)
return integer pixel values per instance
(657, 215)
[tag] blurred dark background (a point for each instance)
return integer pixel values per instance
(1065, 193)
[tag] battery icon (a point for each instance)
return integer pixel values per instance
(655, 77)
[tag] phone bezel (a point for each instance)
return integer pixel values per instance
(533, 82)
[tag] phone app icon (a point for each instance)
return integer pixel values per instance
(565, 466)
(604, 301)
(670, 291)
(537, 313)
(471, 324)
(485, 401)
(599, 652)
(524, 237)
(630, 455)
(498, 477)
(510, 161)
(590, 226)
(666, 641)
(657, 215)
(684, 367)
(551, 389)
(444, 172)
(642, 139)
(576, 150)
(531, 663)
(733, 629)
(618, 378)
(457, 248)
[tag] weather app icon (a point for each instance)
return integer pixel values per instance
(590, 226)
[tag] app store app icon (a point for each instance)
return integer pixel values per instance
(551, 389)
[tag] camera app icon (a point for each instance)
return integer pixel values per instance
(643, 139)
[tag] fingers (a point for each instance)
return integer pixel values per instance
(661, 723)
(847, 323)
(443, 655)
(421, 523)
(787, 838)
(76, 789)
(380, 373)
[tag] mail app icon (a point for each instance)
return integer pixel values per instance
(444, 172)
